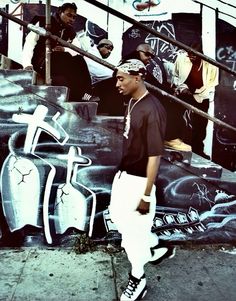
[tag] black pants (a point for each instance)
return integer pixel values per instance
(197, 122)
(176, 126)
(72, 72)
(199, 125)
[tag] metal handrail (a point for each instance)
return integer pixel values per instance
(43, 32)
(216, 9)
(160, 35)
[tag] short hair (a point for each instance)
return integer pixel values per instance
(146, 48)
(65, 6)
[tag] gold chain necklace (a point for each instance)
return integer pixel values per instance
(128, 116)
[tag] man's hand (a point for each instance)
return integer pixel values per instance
(186, 92)
(29, 68)
(143, 207)
(59, 48)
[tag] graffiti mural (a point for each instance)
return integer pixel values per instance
(186, 28)
(57, 169)
(58, 160)
(141, 5)
(225, 140)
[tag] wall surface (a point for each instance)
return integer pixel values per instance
(58, 159)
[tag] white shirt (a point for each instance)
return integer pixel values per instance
(30, 43)
(97, 71)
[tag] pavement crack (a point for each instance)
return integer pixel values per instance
(114, 276)
(20, 275)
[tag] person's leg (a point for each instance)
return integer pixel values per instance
(175, 127)
(176, 124)
(137, 238)
(79, 78)
(111, 101)
(72, 72)
(199, 125)
(135, 229)
(59, 63)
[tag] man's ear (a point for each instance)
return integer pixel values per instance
(137, 78)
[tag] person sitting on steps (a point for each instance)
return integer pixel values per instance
(194, 82)
(146, 54)
(68, 68)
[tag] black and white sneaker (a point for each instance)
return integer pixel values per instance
(136, 289)
(159, 253)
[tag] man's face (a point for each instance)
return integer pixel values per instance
(126, 83)
(105, 51)
(145, 56)
(68, 16)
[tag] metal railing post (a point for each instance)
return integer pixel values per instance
(48, 79)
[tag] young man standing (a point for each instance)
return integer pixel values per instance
(133, 199)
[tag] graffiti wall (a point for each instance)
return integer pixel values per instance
(186, 28)
(58, 160)
(225, 140)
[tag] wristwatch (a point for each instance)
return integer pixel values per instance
(146, 198)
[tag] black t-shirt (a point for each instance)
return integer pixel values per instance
(146, 135)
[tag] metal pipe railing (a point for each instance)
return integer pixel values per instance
(43, 32)
(48, 79)
(160, 35)
(216, 9)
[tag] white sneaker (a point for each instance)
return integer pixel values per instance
(136, 289)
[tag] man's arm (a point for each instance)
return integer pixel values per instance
(28, 50)
(181, 69)
(152, 169)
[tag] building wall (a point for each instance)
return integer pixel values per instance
(58, 159)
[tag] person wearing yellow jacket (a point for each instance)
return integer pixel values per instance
(194, 81)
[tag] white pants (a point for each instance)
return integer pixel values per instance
(135, 228)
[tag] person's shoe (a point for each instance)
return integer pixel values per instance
(86, 97)
(136, 289)
(178, 144)
(161, 253)
(205, 156)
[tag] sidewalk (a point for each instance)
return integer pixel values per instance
(50, 274)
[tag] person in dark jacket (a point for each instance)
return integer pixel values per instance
(145, 53)
(68, 68)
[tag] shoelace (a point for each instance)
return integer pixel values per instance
(131, 287)
(86, 97)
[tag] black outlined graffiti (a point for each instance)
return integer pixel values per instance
(141, 5)
(72, 206)
(135, 33)
(162, 48)
(15, 201)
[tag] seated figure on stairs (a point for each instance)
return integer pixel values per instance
(146, 54)
(68, 68)
(194, 81)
